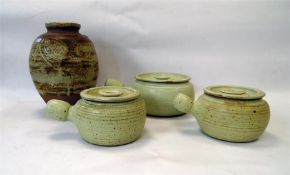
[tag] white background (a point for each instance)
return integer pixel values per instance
(213, 41)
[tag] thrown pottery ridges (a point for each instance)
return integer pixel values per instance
(232, 120)
(230, 113)
(107, 116)
(114, 124)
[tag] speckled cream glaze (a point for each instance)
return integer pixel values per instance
(63, 62)
(110, 123)
(159, 90)
(234, 120)
(159, 96)
(103, 123)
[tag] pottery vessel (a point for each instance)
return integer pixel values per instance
(159, 90)
(63, 62)
(106, 116)
(230, 113)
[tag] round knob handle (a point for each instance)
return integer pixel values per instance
(110, 93)
(232, 91)
(162, 77)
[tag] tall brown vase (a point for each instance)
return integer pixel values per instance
(63, 62)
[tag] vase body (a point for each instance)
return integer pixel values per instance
(63, 62)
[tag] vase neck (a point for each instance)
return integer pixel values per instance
(63, 27)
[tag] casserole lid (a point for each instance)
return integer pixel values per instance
(110, 94)
(234, 92)
(162, 77)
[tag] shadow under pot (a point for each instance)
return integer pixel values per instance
(159, 90)
(107, 116)
(63, 62)
(230, 113)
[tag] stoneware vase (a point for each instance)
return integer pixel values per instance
(107, 116)
(159, 90)
(63, 62)
(230, 113)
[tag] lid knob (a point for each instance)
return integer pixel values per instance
(110, 93)
(232, 91)
(161, 77)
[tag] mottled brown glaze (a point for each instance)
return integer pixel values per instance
(63, 62)
(72, 99)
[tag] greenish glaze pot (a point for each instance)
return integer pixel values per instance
(107, 116)
(159, 90)
(63, 62)
(230, 113)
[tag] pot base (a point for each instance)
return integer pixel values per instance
(111, 145)
(230, 140)
(165, 116)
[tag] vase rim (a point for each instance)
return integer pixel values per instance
(62, 24)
